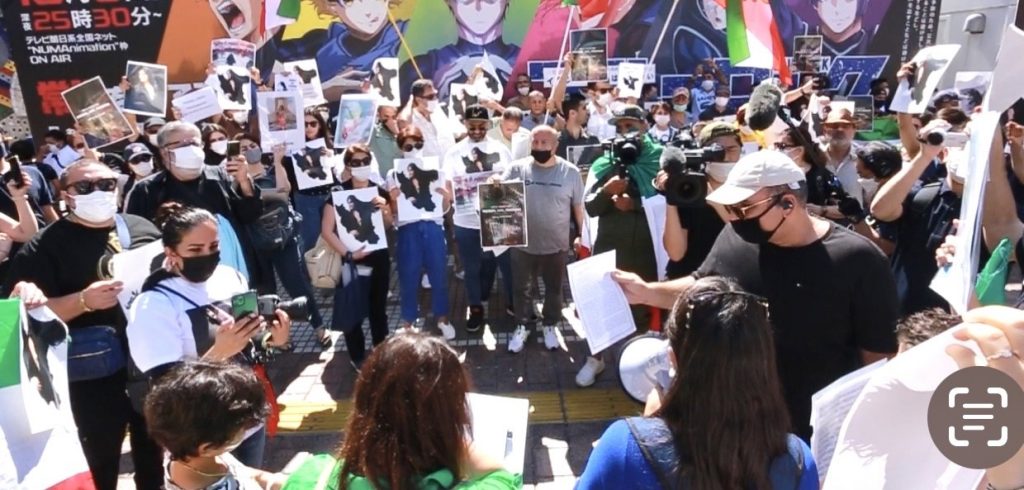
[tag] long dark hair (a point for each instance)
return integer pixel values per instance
(409, 415)
(725, 408)
(812, 153)
(324, 132)
(175, 220)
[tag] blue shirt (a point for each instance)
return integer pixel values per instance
(617, 463)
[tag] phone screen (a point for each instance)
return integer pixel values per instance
(234, 148)
(243, 304)
(15, 172)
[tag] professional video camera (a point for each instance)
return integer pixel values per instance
(297, 309)
(624, 151)
(687, 184)
(848, 206)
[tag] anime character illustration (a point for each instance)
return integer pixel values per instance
(846, 26)
(478, 161)
(241, 19)
(414, 183)
(357, 218)
(480, 26)
(346, 50)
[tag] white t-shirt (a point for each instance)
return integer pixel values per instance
(599, 124)
(159, 325)
(493, 157)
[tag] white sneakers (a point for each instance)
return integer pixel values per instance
(425, 282)
(518, 339)
(588, 374)
(551, 338)
(447, 330)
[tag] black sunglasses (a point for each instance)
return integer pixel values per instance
(430, 97)
(84, 187)
(141, 158)
(312, 124)
(359, 162)
(418, 145)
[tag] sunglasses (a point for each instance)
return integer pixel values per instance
(703, 298)
(359, 162)
(418, 145)
(84, 187)
(784, 146)
(141, 158)
(602, 90)
(476, 127)
(741, 211)
(312, 124)
(430, 97)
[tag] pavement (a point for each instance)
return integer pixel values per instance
(314, 389)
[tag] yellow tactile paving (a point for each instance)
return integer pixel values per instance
(546, 407)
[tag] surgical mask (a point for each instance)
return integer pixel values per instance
(604, 99)
(240, 117)
(152, 139)
(432, 105)
(721, 101)
(707, 85)
(361, 173)
(719, 171)
(199, 269)
(661, 119)
(870, 186)
(96, 206)
(541, 156)
(750, 229)
(51, 148)
(524, 91)
(220, 147)
(414, 154)
(188, 158)
(679, 107)
(253, 155)
(143, 169)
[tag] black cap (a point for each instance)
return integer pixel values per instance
(628, 111)
(476, 112)
(135, 149)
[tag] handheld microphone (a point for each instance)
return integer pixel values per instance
(764, 106)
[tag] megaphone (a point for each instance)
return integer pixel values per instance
(644, 364)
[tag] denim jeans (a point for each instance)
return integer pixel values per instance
(480, 267)
(250, 451)
(380, 276)
(290, 268)
(311, 208)
(421, 246)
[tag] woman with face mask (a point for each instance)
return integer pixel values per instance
(357, 219)
(185, 311)
(309, 200)
(215, 144)
(823, 189)
(659, 119)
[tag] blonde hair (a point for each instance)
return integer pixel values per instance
(326, 7)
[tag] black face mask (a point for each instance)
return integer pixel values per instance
(750, 229)
(541, 156)
(199, 269)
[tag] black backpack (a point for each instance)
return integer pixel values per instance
(276, 226)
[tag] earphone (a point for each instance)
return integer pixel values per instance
(787, 205)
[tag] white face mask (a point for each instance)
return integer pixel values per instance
(143, 169)
(152, 140)
(604, 99)
(189, 158)
(51, 148)
(870, 187)
(220, 147)
(240, 117)
(96, 207)
(719, 171)
(524, 91)
(414, 154)
(661, 119)
(721, 101)
(707, 85)
(361, 174)
(432, 105)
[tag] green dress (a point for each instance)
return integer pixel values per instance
(320, 472)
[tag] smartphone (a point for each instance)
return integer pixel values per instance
(15, 172)
(244, 304)
(234, 149)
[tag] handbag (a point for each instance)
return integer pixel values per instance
(351, 300)
(94, 352)
(324, 265)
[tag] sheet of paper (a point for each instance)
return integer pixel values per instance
(932, 63)
(829, 408)
(198, 105)
(499, 428)
(630, 79)
(1008, 71)
(955, 282)
(884, 443)
(132, 267)
(655, 208)
(604, 310)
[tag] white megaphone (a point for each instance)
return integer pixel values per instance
(644, 364)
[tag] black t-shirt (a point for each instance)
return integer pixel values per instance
(703, 225)
(67, 257)
(827, 301)
(39, 195)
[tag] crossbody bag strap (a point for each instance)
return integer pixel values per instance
(123, 235)
(165, 289)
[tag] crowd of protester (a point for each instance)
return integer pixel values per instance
(796, 269)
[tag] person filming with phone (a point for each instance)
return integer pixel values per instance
(194, 308)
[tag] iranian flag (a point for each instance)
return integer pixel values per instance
(39, 445)
(753, 37)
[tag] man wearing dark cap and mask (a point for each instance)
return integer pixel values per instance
(477, 153)
(621, 182)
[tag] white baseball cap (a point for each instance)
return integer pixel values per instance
(766, 168)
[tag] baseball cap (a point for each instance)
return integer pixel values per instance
(681, 91)
(154, 121)
(627, 111)
(714, 130)
(135, 149)
(476, 112)
(839, 116)
(766, 168)
(945, 96)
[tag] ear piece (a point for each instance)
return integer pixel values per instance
(787, 205)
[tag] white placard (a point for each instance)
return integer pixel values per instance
(931, 65)
(281, 120)
(384, 82)
(630, 79)
(603, 308)
(499, 428)
(196, 106)
(309, 78)
(132, 267)
(419, 183)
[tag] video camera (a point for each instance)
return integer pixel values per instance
(687, 184)
(297, 308)
(624, 151)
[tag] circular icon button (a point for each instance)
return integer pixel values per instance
(974, 417)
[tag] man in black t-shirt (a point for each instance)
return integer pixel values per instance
(69, 262)
(831, 295)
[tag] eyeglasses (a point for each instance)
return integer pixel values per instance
(312, 124)
(784, 146)
(84, 187)
(359, 162)
(741, 211)
(182, 144)
(418, 145)
(705, 297)
(432, 96)
(602, 90)
(141, 158)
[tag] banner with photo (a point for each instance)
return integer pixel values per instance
(281, 121)
(312, 91)
(147, 90)
(232, 80)
(360, 223)
(356, 117)
(503, 215)
(100, 120)
(419, 188)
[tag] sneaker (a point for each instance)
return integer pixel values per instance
(518, 339)
(474, 319)
(447, 330)
(460, 275)
(588, 374)
(551, 338)
(425, 282)
(510, 312)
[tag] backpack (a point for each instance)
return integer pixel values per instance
(658, 447)
(276, 226)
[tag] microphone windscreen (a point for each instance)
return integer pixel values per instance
(763, 107)
(672, 156)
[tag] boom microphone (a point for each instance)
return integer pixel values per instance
(764, 106)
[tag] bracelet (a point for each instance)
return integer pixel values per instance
(81, 302)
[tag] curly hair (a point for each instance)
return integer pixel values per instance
(923, 325)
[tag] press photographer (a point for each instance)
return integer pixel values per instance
(623, 177)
